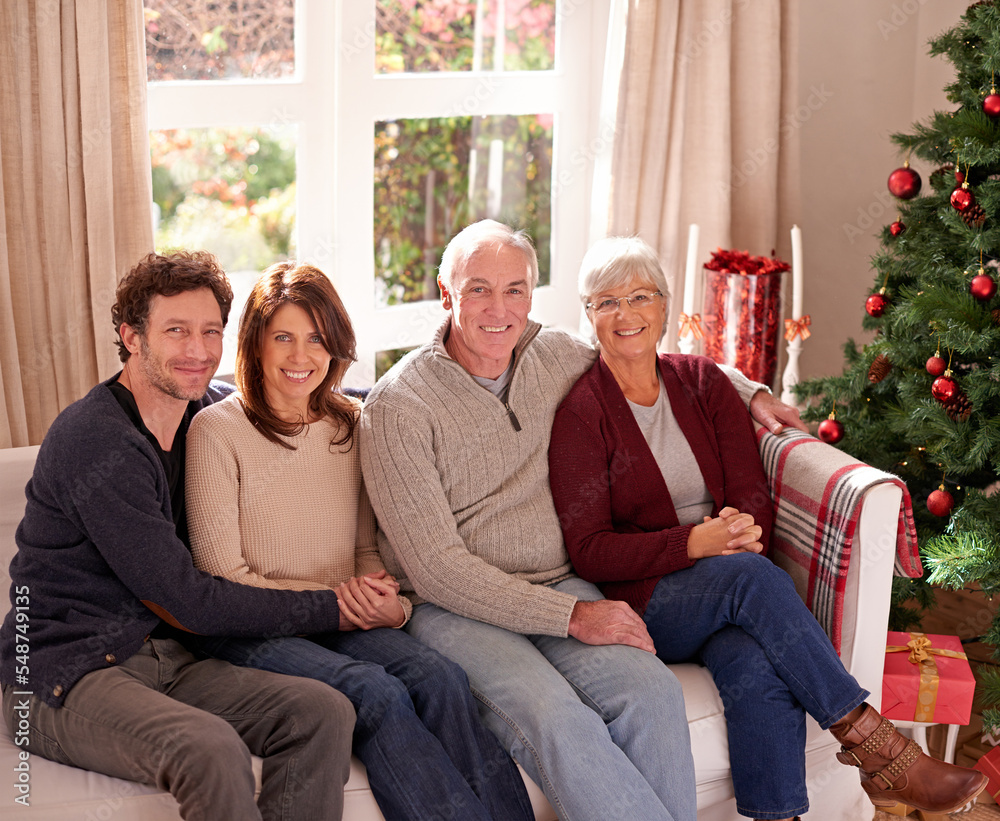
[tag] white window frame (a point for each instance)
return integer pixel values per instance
(335, 99)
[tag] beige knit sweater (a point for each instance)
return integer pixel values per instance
(462, 499)
(465, 514)
(263, 515)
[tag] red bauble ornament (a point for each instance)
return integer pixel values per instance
(897, 228)
(982, 287)
(831, 431)
(940, 502)
(936, 366)
(944, 388)
(961, 198)
(876, 305)
(904, 183)
(959, 177)
(991, 105)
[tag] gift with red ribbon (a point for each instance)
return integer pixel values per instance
(927, 678)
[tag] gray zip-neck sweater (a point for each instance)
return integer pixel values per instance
(462, 497)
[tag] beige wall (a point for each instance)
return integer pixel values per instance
(866, 64)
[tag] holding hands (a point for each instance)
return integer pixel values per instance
(370, 601)
(728, 533)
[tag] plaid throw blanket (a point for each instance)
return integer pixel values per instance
(817, 492)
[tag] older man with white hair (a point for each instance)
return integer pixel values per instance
(454, 444)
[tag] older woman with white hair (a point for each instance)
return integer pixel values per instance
(664, 504)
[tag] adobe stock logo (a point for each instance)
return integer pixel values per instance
(881, 203)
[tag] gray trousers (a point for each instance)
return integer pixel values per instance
(187, 726)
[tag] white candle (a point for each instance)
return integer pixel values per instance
(796, 272)
(689, 271)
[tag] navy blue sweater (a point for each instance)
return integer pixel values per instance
(99, 563)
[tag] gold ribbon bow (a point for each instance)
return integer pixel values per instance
(798, 327)
(691, 324)
(918, 649)
(922, 653)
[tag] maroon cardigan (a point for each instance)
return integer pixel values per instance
(617, 517)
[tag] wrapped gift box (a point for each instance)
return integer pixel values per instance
(989, 764)
(936, 686)
(904, 810)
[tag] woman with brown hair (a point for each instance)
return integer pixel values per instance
(275, 499)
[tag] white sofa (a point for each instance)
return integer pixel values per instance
(61, 793)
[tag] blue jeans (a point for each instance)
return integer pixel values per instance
(418, 733)
(601, 729)
(770, 659)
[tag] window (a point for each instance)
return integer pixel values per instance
(417, 36)
(212, 40)
(435, 175)
(360, 136)
(231, 190)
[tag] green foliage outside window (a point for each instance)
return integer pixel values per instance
(423, 198)
(231, 191)
(440, 35)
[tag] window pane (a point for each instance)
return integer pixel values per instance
(217, 40)
(384, 360)
(230, 191)
(449, 35)
(435, 176)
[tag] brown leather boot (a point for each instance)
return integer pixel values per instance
(895, 769)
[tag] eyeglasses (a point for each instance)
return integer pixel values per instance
(610, 304)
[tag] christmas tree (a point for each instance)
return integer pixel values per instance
(922, 399)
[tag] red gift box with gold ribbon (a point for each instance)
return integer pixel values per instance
(926, 678)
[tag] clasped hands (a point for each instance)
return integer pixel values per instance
(614, 622)
(370, 601)
(728, 533)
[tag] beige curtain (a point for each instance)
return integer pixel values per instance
(707, 128)
(75, 205)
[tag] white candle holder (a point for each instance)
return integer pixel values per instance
(796, 329)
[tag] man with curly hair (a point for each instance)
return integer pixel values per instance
(110, 590)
